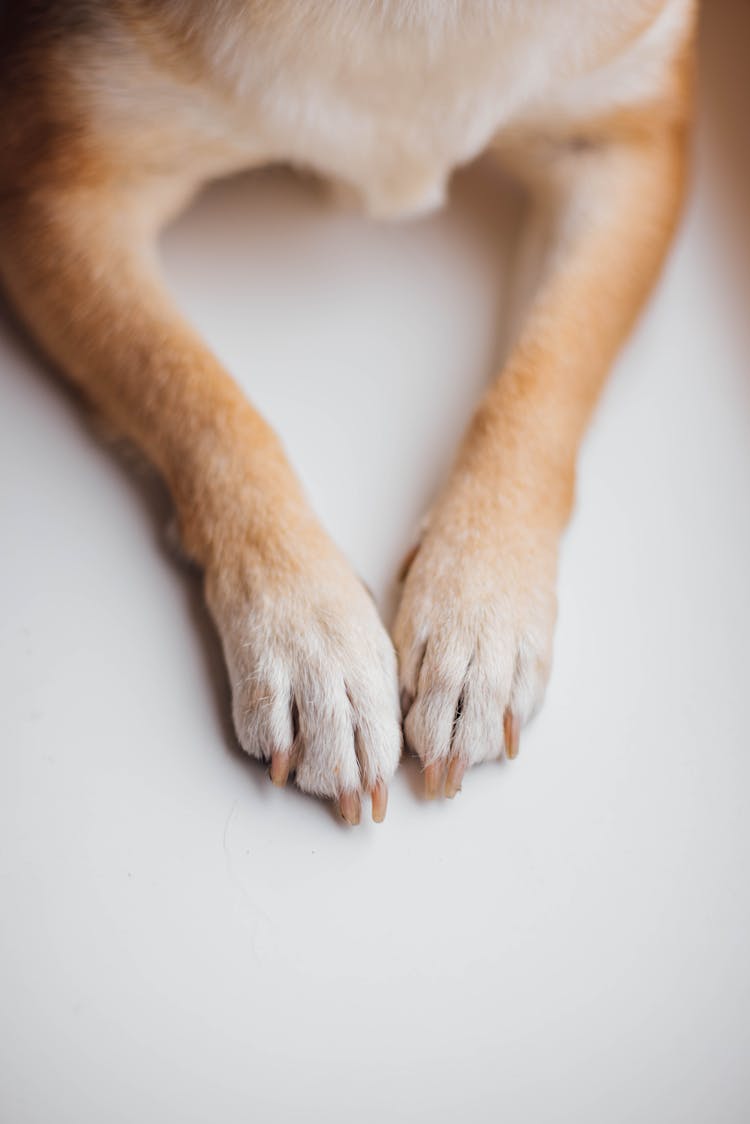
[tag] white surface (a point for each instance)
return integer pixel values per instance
(567, 940)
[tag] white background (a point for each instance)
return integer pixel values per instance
(568, 939)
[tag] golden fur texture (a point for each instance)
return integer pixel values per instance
(116, 112)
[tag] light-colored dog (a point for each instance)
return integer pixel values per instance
(116, 111)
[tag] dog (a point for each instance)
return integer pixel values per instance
(115, 112)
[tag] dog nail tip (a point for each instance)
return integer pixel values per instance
(455, 777)
(433, 780)
(512, 732)
(379, 801)
(279, 771)
(350, 807)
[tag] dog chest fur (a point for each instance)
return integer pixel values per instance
(386, 98)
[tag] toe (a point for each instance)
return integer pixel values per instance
(261, 708)
(350, 807)
(478, 730)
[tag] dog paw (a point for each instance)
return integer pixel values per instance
(313, 677)
(474, 639)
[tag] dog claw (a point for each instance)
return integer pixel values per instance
(379, 801)
(280, 765)
(350, 807)
(456, 771)
(433, 780)
(512, 731)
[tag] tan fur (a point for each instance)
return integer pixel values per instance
(83, 193)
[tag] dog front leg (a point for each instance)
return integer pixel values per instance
(312, 670)
(475, 624)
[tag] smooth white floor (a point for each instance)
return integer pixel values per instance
(568, 939)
